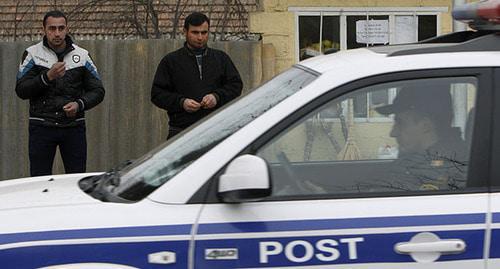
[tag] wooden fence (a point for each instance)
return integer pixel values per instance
(126, 124)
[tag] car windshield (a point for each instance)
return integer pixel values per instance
(161, 164)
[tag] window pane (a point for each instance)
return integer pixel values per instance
(427, 26)
(360, 109)
(351, 29)
(419, 148)
(377, 98)
(331, 33)
(309, 35)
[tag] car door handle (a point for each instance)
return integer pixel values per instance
(427, 247)
(163, 257)
(442, 246)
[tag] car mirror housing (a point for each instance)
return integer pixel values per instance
(246, 179)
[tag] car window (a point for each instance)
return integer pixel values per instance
(421, 145)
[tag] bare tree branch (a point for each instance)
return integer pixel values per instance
(154, 19)
(135, 18)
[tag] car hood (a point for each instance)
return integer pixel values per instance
(58, 190)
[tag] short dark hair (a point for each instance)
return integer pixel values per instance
(55, 14)
(195, 19)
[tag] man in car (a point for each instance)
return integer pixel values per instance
(432, 153)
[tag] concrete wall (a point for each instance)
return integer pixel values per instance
(126, 124)
(277, 24)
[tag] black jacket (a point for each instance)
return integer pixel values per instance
(80, 83)
(177, 77)
(442, 166)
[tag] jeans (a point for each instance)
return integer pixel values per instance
(43, 142)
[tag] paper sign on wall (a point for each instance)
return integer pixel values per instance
(405, 29)
(372, 31)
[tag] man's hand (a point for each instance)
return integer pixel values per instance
(56, 71)
(191, 105)
(209, 101)
(71, 108)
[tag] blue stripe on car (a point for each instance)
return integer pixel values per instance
(375, 248)
(184, 229)
(352, 223)
(131, 254)
(496, 217)
(239, 227)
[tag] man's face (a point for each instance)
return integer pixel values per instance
(55, 30)
(197, 36)
(410, 131)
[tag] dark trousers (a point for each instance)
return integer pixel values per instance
(43, 142)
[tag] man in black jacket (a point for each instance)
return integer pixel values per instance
(61, 82)
(194, 80)
(432, 154)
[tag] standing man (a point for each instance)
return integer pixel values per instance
(61, 82)
(194, 80)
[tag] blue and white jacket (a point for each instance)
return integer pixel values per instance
(81, 83)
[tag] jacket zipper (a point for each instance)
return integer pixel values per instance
(199, 67)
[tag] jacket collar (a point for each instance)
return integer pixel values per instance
(190, 52)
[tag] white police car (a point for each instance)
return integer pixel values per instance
(309, 170)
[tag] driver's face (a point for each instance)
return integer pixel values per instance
(408, 130)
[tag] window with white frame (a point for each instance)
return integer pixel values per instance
(321, 30)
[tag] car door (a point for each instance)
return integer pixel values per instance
(494, 250)
(341, 198)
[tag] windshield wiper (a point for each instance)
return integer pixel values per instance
(104, 188)
(101, 186)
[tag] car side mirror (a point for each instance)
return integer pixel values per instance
(246, 179)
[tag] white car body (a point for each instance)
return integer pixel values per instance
(49, 222)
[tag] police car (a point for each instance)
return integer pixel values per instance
(298, 173)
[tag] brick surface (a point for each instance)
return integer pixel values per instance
(122, 19)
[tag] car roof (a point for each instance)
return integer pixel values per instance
(444, 47)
